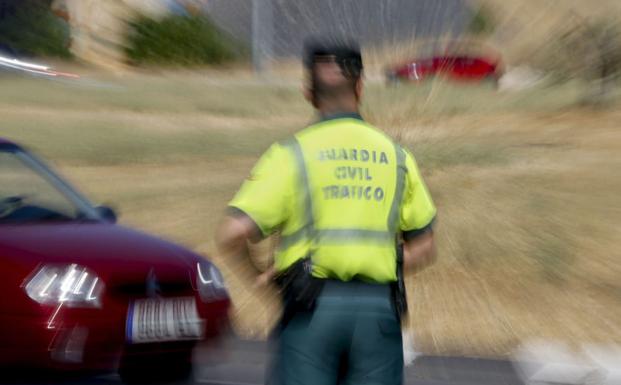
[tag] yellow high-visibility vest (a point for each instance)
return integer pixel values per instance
(339, 191)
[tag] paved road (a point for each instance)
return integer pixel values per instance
(246, 365)
(243, 363)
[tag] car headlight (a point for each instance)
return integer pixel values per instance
(70, 285)
(210, 282)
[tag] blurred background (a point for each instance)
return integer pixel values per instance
(161, 107)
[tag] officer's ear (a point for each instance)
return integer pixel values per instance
(359, 88)
(309, 95)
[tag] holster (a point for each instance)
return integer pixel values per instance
(399, 295)
(299, 288)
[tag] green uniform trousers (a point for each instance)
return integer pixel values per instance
(352, 337)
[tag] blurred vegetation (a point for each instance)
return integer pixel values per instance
(588, 50)
(482, 22)
(559, 42)
(180, 40)
(594, 50)
(29, 27)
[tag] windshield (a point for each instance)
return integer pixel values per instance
(30, 192)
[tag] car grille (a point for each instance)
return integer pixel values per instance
(141, 289)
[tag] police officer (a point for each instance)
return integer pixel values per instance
(342, 194)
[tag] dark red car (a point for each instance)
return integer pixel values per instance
(463, 68)
(82, 293)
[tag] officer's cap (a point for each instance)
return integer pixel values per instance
(344, 52)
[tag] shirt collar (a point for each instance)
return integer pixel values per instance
(341, 115)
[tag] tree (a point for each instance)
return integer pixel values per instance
(29, 27)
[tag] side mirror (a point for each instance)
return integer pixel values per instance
(106, 213)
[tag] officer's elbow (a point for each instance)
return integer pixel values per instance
(231, 236)
(420, 252)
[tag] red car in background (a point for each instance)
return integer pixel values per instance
(82, 293)
(461, 68)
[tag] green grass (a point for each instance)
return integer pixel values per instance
(183, 94)
(117, 141)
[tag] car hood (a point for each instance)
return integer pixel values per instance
(114, 252)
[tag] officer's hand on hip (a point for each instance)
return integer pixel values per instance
(265, 278)
(419, 252)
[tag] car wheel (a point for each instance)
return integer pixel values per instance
(156, 368)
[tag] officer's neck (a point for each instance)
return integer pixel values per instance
(338, 108)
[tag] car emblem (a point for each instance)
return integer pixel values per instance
(153, 288)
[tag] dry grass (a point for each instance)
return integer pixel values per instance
(527, 244)
(527, 187)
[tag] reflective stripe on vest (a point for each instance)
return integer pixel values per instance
(393, 217)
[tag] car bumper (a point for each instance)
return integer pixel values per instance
(87, 339)
(90, 344)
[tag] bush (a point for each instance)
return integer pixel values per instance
(179, 40)
(590, 51)
(482, 22)
(597, 43)
(29, 27)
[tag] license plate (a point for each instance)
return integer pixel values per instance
(163, 319)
